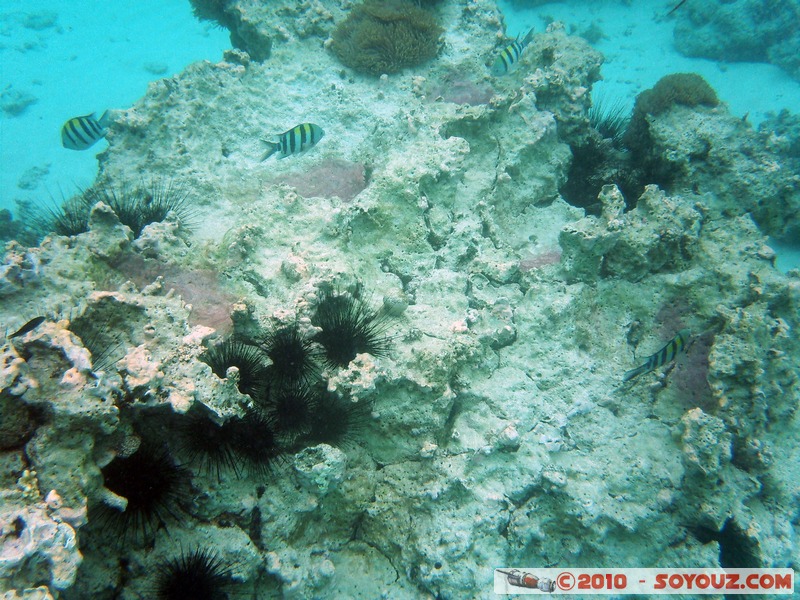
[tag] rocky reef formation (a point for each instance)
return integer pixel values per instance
(743, 30)
(499, 430)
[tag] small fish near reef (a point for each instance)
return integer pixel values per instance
(29, 326)
(667, 354)
(681, 3)
(298, 139)
(81, 133)
(509, 56)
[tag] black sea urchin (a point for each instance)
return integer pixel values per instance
(69, 218)
(155, 487)
(291, 408)
(137, 207)
(200, 575)
(610, 120)
(239, 444)
(337, 421)
(248, 359)
(349, 327)
(208, 444)
(291, 354)
(106, 346)
(253, 437)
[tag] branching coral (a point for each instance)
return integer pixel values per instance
(386, 37)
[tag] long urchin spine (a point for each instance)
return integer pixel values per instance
(349, 327)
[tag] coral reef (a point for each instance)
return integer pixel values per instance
(659, 235)
(693, 150)
(746, 30)
(494, 428)
(680, 139)
(15, 102)
(459, 87)
(256, 26)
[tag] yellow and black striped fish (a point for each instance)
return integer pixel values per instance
(509, 56)
(298, 139)
(667, 354)
(80, 133)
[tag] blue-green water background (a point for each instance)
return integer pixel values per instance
(79, 57)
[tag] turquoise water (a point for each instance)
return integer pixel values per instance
(63, 59)
(637, 43)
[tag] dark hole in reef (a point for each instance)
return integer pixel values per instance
(19, 526)
(547, 57)
(18, 422)
(437, 565)
(736, 549)
(595, 164)
(254, 528)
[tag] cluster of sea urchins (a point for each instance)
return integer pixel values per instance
(282, 370)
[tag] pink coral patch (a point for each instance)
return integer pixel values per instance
(542, 259)
(331, 177)
(211, 305)
(459, 88)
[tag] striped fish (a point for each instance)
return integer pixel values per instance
(667, 354)
(509, 56)
(80, 133)
(298, 139)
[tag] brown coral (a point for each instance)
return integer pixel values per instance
(686, 89)
(386, 37)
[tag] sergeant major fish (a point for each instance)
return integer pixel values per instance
(509, 56)
(80, 133)
(298, 139)
(667, 354)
